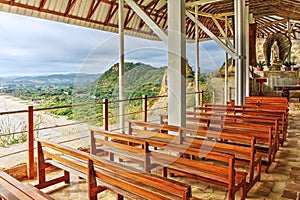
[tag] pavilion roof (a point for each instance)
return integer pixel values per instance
(271, 15)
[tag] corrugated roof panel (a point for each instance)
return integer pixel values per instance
(81, 8)
(60, 6)
(51, 4)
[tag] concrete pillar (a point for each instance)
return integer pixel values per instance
(246, 50)
(226, 66)
(240, 61)
(197, 67)
(176, 63)
(121, 65)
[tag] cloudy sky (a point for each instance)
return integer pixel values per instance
(30, 46)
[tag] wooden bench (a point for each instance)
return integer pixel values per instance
(261, 113)
(245, 155)
(251, 122)
(12, 189)
(225, 176)
(266, 141)
(103, 174)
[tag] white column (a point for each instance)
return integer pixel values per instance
(226, 65)
(240, 64)
(176, 62)
(197, 67)
(121, 65)
(289, 35)
(246, 50)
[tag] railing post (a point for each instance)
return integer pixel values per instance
(213, 96)
(201, 98)
(145, 109)
(30, 144)
(105, 114)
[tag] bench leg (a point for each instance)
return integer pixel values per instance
(251, 172)
(92, 182)
(243, 193)
(231, 195)
(67, 177)
(111, 156)
(259, 170)
(40, 165)
(119, 197)
(93, 189)
(164, 172)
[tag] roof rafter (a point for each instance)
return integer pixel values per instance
(93, 8)
(70, 5)
(42, 4)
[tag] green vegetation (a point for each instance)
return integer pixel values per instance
(139, 79)
(7, 127)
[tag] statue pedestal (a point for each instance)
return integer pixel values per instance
(275, 68)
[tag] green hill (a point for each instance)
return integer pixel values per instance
(139, 79)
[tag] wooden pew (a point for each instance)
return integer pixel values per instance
(230, 178)
(247, 156)
(12, 189)
(251, 122)
(266, 141)
(279, 115)
(125, 181)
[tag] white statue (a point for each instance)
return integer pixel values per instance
(275, 51)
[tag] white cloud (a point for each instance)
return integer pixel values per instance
(35, 46)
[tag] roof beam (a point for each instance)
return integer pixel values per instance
(70, 5)
(141, 13)
(230, 51)
(222, 32)
(42, 4)
(200, 3)
(272, 23)
(111, 12)
(93, 9)
(146, 8)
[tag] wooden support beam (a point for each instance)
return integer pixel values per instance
(70, 5)
(93, 8)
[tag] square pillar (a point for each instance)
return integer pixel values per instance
(176, 63)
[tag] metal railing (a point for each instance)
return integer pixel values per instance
(105, 118)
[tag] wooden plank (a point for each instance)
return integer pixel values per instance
(9, 191)
(5, 193)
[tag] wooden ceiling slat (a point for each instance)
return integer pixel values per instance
(262, 10)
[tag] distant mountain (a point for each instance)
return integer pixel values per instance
(50, 80)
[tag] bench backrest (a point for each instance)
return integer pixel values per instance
(167, 144)
(204, 134)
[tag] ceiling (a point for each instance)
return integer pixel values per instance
(270, 15)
